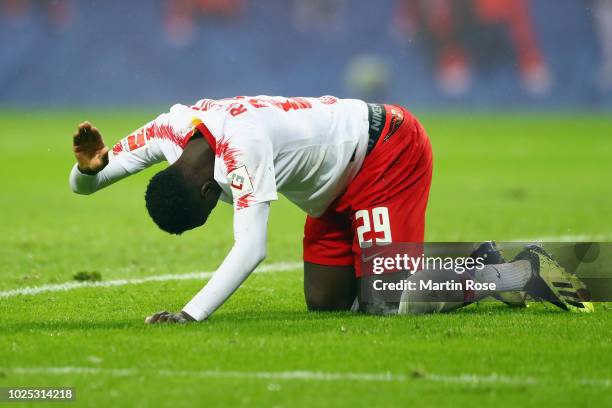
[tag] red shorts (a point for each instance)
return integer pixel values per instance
(386, 201)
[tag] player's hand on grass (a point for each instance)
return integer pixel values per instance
(167, 317)
(89, 149)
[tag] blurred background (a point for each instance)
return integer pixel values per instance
(423, 53)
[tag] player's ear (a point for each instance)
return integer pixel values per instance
(210, 190)
(205, 189)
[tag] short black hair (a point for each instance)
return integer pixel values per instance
(173, 203)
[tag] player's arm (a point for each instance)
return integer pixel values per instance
(250, 236)
(97, 167)
(253, 186)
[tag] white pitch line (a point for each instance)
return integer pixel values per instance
(306, 375)
(262, 375)
(62, 287)
(276, 267)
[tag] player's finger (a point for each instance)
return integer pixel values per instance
(103, 155)
(95, 132)
(84, 128)
(87, 129)
(83, 133)
(152, 319)
(76, 138)
(91, 141)
(176, 318)
(155, 318)
(96, 136)
(163, 317)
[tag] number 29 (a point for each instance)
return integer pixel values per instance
(376, 222)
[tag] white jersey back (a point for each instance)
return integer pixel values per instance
(308, 149)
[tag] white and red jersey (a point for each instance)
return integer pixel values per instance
(308, 149)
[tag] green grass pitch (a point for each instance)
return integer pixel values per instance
(496, 177)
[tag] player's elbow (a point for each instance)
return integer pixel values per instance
(80, 190)
(80, 183)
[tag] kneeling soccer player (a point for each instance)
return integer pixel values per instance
(361, 172)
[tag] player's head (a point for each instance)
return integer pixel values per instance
(182, 196)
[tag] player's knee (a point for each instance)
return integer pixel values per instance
(325, 301)
(318, 302)
(329, 288)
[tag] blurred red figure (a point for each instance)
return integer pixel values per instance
(326, 17)
(182, 14)
(456, 31)
(515, 15)
(59, 12)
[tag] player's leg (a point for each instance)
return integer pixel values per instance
(533, 271)
(427, 298)
(422, 300)
(329, 275)
(388, 198)
(329, 288)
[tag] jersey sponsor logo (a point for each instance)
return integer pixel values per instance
(366, 259)
(240, 183)
(397, 118)
(376, 117)
(377, 120)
